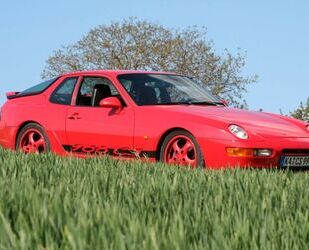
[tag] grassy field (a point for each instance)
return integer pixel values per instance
(47, 202)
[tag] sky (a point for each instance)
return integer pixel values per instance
(274, 34)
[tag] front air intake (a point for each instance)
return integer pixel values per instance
(295, 152)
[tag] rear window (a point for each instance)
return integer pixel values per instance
(39, 87)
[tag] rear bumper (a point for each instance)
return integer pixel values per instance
(7, 136)
(215, 154)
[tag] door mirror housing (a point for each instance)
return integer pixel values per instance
(111, 102)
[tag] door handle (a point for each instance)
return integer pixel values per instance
(74, 116)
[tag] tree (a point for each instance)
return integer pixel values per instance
(134, 44)
(302, 112)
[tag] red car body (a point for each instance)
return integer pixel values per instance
(83, 131)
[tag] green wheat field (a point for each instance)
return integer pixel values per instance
(49, 202)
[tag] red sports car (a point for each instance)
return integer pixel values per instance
(159, 116)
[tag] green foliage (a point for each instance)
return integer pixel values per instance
(302, 112)
(48, 202)
(142, 45)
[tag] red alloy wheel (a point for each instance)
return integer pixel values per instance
(181, 150)
(32, 141)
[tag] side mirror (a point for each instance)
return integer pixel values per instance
(110, 102)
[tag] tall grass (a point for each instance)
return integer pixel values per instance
(48, 202)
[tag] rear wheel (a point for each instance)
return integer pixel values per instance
(32, 139)
(181, 148)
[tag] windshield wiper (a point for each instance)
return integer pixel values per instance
(192, 103)
(206, 103)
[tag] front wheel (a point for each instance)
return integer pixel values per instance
(32, 139)
(181, 148)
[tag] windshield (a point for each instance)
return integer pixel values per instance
(156, 89)
(39, 87)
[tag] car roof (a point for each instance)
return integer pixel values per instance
(114, 72)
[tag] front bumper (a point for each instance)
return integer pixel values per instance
(215, 154)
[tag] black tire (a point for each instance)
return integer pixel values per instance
(33, 127)
(177, 133)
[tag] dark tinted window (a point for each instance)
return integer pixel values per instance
(39, 87)
(156, 89)
(93, 90)
(63, 94)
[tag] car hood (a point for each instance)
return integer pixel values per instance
(264, 124)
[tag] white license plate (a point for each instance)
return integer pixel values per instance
(294, 161)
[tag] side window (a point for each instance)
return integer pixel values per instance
(93, 90)
(63, 93)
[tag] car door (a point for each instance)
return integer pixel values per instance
(54, 115)
(93, 129)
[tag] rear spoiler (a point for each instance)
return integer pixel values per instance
(11, 95)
